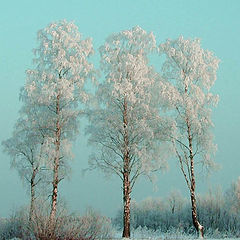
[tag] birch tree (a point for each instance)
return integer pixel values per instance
(25, 149)
(189, 72)
(55, 89)
(125, 128)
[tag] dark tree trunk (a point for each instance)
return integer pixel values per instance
(55, 169)
(196, 223)
(33, 184)
(126, 180)
(126, 212)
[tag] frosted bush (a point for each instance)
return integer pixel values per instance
(90, 226)
(163, 217)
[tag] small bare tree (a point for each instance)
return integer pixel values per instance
(175, 201)
(25, 150)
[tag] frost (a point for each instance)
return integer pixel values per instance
(127, 109)
(189, 72)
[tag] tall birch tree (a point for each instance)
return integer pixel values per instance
(126, 128)
(55, 90)
(189, 72)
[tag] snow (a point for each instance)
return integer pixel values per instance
(144, 234)
(182, 238)
(157, 238)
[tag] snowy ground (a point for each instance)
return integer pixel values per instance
(144, 234)
(174, 238)
(159, 238)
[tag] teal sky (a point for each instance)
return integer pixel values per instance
(215, 22)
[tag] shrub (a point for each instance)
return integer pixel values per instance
(67, 226)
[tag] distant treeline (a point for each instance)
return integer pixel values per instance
(219, 212)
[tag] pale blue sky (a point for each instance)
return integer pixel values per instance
(216, 22)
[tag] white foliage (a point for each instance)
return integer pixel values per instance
(55, 88)
(25, 148)
(189, 73)
(62, 64)
(128, 87)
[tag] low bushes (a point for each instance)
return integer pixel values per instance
(67, 226)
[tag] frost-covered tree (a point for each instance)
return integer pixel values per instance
(189, 72)
(55, 88)
(25, 149)
(175, 201)
(125, 127)
(233, 197)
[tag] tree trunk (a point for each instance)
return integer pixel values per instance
(33, 184)
(126, 211)
(196, 224)
(126, 180)
(55, 169)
